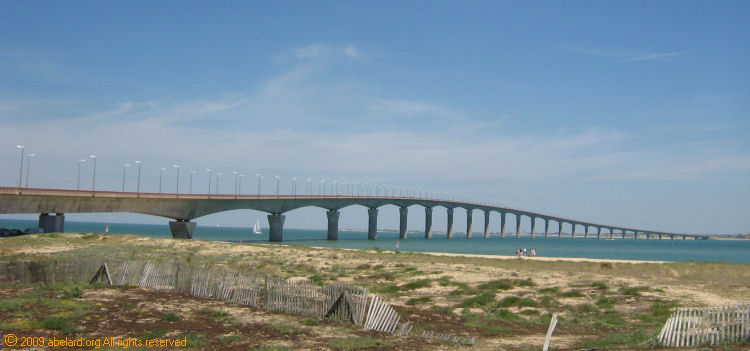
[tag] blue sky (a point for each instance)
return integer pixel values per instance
(632, 113)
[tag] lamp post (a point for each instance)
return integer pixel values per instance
(28, 165)
(334, 188)
(239, 188)
(259, 178)
(161, 173)
(190, 189)
(93, 179)
(323, 183)
(78, 177)
(209, 182)
(138, 185)
(177, 188)
(278, 180)
(218, 175)
(235, 182)
(20, 168)
(294, 186)
(124, 167)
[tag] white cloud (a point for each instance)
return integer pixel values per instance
(625, 56)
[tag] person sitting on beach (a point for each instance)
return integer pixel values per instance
(532, 253)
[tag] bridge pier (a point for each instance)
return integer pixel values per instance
(559, 228)
(52, 224)
(546, 228)
(403, 211)
(586, 231)
(486, 224)
(533, 225)
(502, 225)
(276, 226)
(372, 225)
(598, 232)
(333, 224)
(182, 229)
(635, 234)
(428, 222)
(518, 225)
(449, 230)
(469, 220)
(572, 230)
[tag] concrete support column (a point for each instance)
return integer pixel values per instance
(586, 231)
(659, 236)
(469, 226)
(572, 230)
(533, 225)
(486, 224)
(598, 232)
(518, 225)
(546, 228)
(559, 229)
(372, 226)
(623, 233)
(182, 229)
(52, 224)
(449, 230)
(333, 224)
(671, 236)
(403, 211)
(276, 225)
(635, 234)
(502, 225)
(428, 222)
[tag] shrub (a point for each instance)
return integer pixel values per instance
(309, 322)
(605, 302)
(416, 300)
(421, 283)
(170, 317)
(509, 301)
(572, 293)
(599, 285)
(527, 302)
(479, 300)
(496, 285)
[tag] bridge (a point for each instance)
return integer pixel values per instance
(52, 204)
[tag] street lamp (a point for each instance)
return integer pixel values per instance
(278, 180)
(20, 168)
(93, 179)
(190, 189)
(259, 178)
(218, 174)
(235, 182)
(138, 185)
(358, 189)
(177, 188)
(294, 186)
(334, 185)
(239, 188)
(323, 183)
(209, 182)
(161, 172)
(28, 165)
(78, 178)
(124, 167)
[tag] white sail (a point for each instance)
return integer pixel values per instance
(256, 228)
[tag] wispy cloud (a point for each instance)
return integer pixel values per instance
(624, 56)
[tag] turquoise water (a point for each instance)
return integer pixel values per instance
(737, 251)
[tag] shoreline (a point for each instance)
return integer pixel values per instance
(508, 257)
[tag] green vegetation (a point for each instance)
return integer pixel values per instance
(418, 300)
(358, 343)
(170, 317)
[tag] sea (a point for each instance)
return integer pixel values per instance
(735, 251)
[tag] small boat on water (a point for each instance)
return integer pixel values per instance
(256, 228)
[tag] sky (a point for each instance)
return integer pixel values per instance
(629, 113)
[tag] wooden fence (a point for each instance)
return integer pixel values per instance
(338, 301)
(706, 326)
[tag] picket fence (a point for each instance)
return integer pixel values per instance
(706, 326)
(304, 297)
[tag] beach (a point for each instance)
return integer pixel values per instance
(503, 301)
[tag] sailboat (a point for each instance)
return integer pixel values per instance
(256, 228)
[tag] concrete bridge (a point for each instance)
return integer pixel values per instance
(52, 204)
